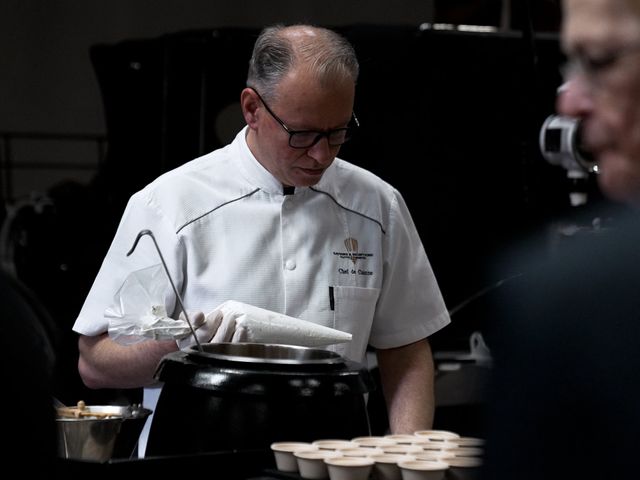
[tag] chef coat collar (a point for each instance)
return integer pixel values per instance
(253, 170)
(259, 176)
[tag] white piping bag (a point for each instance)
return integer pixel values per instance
(266, 326)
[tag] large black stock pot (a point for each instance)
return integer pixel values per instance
(247, 395)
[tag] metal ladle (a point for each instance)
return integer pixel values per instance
(175, 290)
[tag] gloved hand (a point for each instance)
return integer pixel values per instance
(205, 328)
(227, 331)
(213, 328)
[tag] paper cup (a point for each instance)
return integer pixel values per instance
(401, 438)
(466, 451)
(349, 468)
(360, 451)
(423, 470)
(464, 468)
(283, 454)
(333, 444)
(311, 463)
(403, 449)
(373, 441)
(436, 435)
(386, 466)
(434, 445)
(468, 441)
(431, 456)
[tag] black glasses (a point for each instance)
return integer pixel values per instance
(308, 138)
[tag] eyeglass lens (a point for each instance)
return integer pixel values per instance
(308, 139)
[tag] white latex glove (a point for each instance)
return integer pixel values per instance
(205, 328)
(213, 328)
(227, 332)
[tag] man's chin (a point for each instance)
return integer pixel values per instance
(307, 179)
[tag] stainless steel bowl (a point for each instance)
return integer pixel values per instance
(97, 438)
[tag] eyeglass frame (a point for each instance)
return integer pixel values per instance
(348, 129)
(593, 67)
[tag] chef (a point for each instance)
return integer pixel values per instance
(276, 220)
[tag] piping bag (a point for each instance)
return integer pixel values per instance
(138, 313)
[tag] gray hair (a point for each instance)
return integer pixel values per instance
(328, 54)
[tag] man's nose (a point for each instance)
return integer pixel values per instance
(322, 152)
(574, 98)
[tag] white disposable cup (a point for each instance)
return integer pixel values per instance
(283, 454)
(349, 468)
(434, 445)
(464, 468)
(360, 451)
(431, 456)
(468, 441)
(423, 470)
(386, 466)
(437, 435)
(467, 451)
(439, 455)
(311, 463)
(401, 438)
(403, 449)
(373, 441)
(333, 444)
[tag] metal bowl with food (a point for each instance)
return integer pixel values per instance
(99, 432)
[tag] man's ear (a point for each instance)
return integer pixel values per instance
(250, 102)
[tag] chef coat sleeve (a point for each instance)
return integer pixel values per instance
(141, 213)
(410, 306)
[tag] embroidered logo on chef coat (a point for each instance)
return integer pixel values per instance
(352, 247)
(352, 253)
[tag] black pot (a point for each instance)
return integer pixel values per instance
(249, 395)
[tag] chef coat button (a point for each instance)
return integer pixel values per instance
(290, 265)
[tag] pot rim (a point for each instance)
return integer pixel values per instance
(266, 353)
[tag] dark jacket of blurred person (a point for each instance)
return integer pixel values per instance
(565, 344)
(566, 334)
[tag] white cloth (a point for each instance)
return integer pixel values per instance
(150, 397)
(343, 253)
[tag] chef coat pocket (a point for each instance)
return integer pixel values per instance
(353, 309)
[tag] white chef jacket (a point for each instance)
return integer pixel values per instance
(344, 253)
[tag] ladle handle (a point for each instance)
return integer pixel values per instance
(175, 290)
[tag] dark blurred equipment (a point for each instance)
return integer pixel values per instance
(168, 100)
(561, 145)
(544, 15)
(242, 396)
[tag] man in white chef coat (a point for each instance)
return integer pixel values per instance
(276, 220)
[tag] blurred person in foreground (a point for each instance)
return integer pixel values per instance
(566, 337)
(28, 342)
(276, 220)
